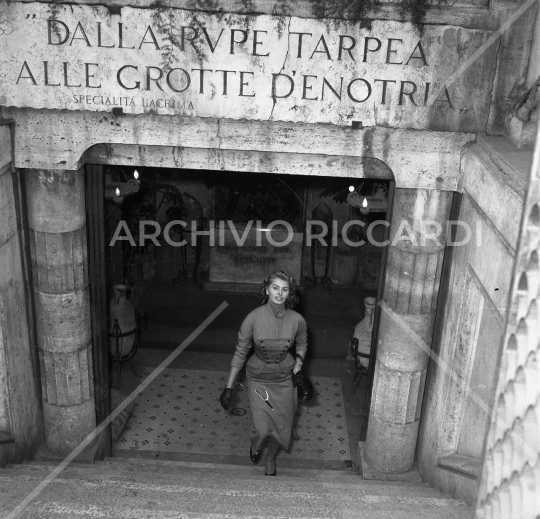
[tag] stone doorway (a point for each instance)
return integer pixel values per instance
(411, 287)
(342, 365)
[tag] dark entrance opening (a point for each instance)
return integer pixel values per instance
(134, 237)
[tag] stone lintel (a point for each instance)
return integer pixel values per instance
(418, 159)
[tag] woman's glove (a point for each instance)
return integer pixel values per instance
(304, 385)
(225, 397)
(297, 379)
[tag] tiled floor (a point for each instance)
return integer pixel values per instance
(180, 433)
(180, 412)
(175, 422)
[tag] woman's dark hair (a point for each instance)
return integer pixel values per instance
(292, 300)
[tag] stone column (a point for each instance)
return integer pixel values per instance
(57, 221)
(406, 326)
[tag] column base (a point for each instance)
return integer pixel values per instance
(366, 472)
(94, 452)
(390, 447)
(67, 426)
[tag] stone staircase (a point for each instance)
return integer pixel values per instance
(139, 488)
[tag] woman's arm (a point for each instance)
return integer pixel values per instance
(245, 342)
(233, 375)
(243, 346)
(301, 344)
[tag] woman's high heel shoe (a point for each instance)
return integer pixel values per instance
(273, 473)
(254, 456)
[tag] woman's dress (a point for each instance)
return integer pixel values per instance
(271, 330)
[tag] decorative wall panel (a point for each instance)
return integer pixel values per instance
(510, 484)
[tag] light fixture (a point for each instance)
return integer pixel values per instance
(351, 189)
(369, 198)
(116, 191)
(364, 209)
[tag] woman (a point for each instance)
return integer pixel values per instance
(272, 329)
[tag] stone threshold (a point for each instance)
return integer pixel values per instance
(343, 467)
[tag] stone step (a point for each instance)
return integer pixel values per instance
(113, 498)
(56, 510)
(255, 493)
(180, 471)
(194, 465)
(248, 468)
(134, 474)
(211, 484)
(348, 474)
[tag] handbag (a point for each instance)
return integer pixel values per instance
(303, 385)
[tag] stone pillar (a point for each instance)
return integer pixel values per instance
(411, 290)
(57, 221)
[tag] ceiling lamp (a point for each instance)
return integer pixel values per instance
(374, 202)
(364, 209)
(117, 191)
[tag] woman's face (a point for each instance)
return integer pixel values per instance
(278, 291)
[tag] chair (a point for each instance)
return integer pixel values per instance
(361, 371)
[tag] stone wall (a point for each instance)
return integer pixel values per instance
(476, 14)
(510, 485)
(285, 65)
(21, 421)
(479, 276)
(463, 370)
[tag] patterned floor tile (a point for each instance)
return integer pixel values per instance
(180, 412)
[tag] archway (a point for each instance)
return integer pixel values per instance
(301, 166)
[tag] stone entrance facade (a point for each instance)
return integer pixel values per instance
(300, 96)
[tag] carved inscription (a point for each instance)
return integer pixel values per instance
(171, 61)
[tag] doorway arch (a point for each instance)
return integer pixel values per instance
(253, 162)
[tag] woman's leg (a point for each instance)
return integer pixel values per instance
(272, 449)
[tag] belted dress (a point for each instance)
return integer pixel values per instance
(271, 330)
